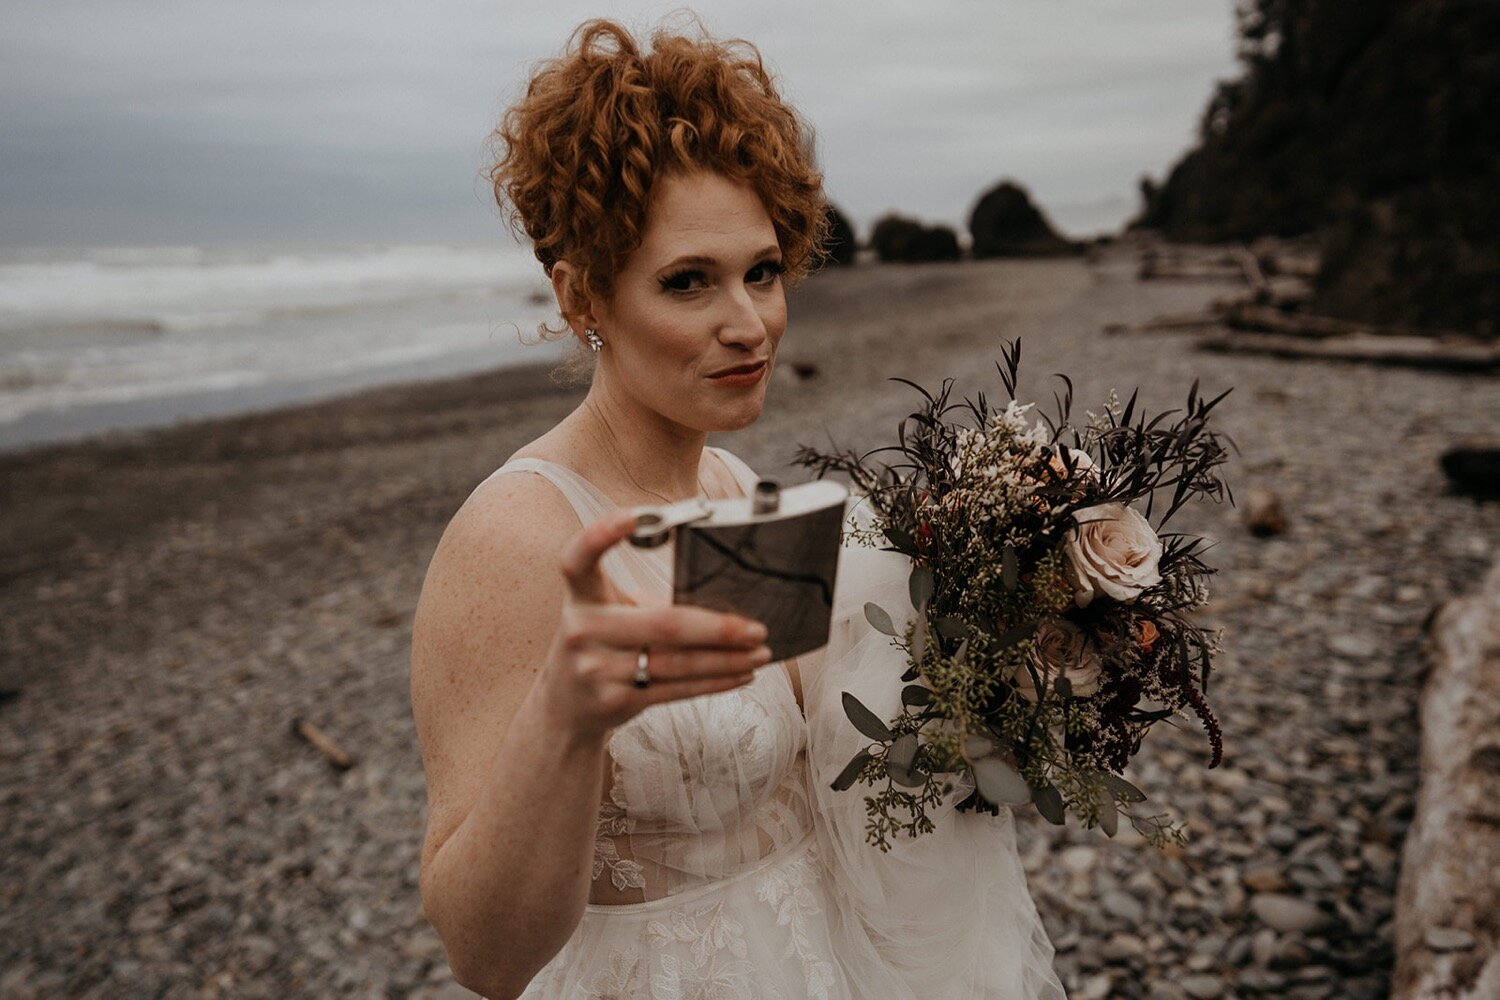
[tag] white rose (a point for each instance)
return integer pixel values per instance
(1081, 461)
(1060, 649)
(1112, 552)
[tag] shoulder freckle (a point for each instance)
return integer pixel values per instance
(520, 519)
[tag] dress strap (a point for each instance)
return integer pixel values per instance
(742, 472)
(633, 570)
(645, 571)
(587, 500)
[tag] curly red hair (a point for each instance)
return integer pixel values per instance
(600, 124)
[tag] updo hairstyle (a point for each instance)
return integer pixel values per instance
(599, 125)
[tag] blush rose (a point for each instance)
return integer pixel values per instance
(1060, 649)
(1112, 552)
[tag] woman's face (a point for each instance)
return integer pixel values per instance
(702, 294)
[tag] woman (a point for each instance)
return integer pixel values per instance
(621, 801)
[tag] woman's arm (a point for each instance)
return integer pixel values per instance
(512, 794)
(519, 667)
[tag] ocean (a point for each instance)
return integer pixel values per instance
(93, 340)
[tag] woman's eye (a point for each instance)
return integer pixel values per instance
(682, 281)
(766, 272)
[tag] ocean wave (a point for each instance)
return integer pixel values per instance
(160, 290)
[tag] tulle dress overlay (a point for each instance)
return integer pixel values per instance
(725, 868)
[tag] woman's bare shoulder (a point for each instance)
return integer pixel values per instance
(516, 517)
(496, 568)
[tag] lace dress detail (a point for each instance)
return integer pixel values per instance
(709, 879)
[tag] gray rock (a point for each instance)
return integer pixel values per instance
(1238, 951)
(1282, 836)
(1355, 647)
(1202, 987)
(1450, 939)
(1287, 914)
(1123, 906)
(1122, 947)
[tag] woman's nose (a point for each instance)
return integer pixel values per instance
(742, 322)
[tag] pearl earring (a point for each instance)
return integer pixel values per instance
(595, 341)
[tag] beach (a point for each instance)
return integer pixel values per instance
(173, 601)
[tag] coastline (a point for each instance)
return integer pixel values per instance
(115, 421)
(172, 599)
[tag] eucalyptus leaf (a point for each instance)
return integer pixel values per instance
(1063, 687)
(916, 695)
(909, 777)
(911, 673)
(864, 720)
(1109, 816)
(951, 628)
(879, 618)
(999, 782)
(919, 638)
(920, 587)
(1123, 789)
(1049, 803)
(961, 655)
(902, 541)
(1009, 568)
(851, 771)
(903, 751)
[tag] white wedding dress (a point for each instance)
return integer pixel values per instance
(726, 868)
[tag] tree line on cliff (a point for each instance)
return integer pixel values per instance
(1374, 125)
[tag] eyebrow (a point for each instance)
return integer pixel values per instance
(703, 260)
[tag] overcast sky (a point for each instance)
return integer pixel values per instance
(185, 121)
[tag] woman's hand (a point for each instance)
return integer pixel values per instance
(586, 680)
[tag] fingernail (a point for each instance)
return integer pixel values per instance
(762, 654)
(756, 632)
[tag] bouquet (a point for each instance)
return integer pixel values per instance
(1051, 628)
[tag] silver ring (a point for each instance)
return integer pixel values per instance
(642, 676)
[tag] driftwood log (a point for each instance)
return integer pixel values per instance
(1448, 895)
(324, 744)
(1156, 270)
(1246, 316)
(1255, 277)
(1411, 351)
(1268, 320)
(1175, 321)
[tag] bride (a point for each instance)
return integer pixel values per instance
(626, 799)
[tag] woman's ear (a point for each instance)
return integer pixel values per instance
(572, 302)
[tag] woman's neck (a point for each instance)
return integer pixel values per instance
(639, 449)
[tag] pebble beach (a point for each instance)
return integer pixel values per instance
(174, 602)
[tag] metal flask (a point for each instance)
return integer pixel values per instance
(772, 556)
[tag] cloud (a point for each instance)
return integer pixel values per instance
(181, 121)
